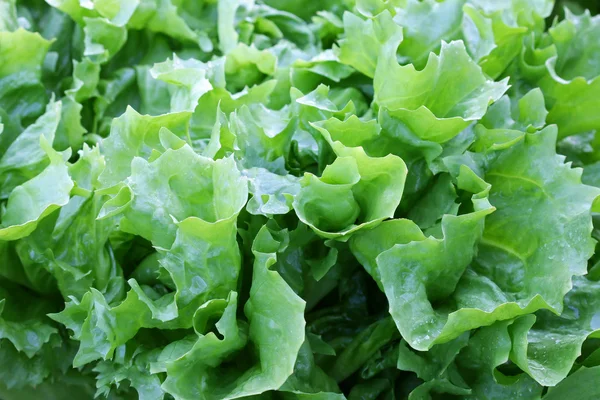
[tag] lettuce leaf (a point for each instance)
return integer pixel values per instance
(273, 199)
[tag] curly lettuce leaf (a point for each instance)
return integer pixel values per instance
(89, 263)
(545, 345)
(134, 135)
(462, 92)
(426, 24)
(132, 367)
(187, 81)
(29, 341)
(275, 327)
(101, 328)
(217, 262)
(22, 94)
(272, 194)
(35, 199)
(365, 39)
(426, 281)
(25, 157)
(573, 75)
(169, 113)
(368, 190)
(479, 362)
(182, 184)
(263, 136)
(503, 255)
(532, 185)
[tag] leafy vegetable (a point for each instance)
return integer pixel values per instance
(273, 199)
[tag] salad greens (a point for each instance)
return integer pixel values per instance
(276, 199)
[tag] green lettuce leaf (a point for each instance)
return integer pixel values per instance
(407, 92)
(217, 264)
(101, 329)
(444, 20)
(411, 231)
(25, 157)
(426, 281)
(35, 199)
(576, 383)
(273, 310)
(134, 135)
(75, 268)
(532, 335)
(132, 366)
(8, 21)
(263, 136)
(365, 39)
(272, 194)
(29, 341)
(572, 75)
(369, 190)
(488, 349)
(185, 185)
(188, 81)
(22, 94)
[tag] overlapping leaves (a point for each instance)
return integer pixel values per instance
(276, 199)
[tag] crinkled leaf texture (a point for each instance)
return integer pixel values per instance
(573, 75)
(368, 190)
(285, 199)
(440, 100)
(501, 280)
(275, 328)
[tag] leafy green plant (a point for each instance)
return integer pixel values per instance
(273, 199)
